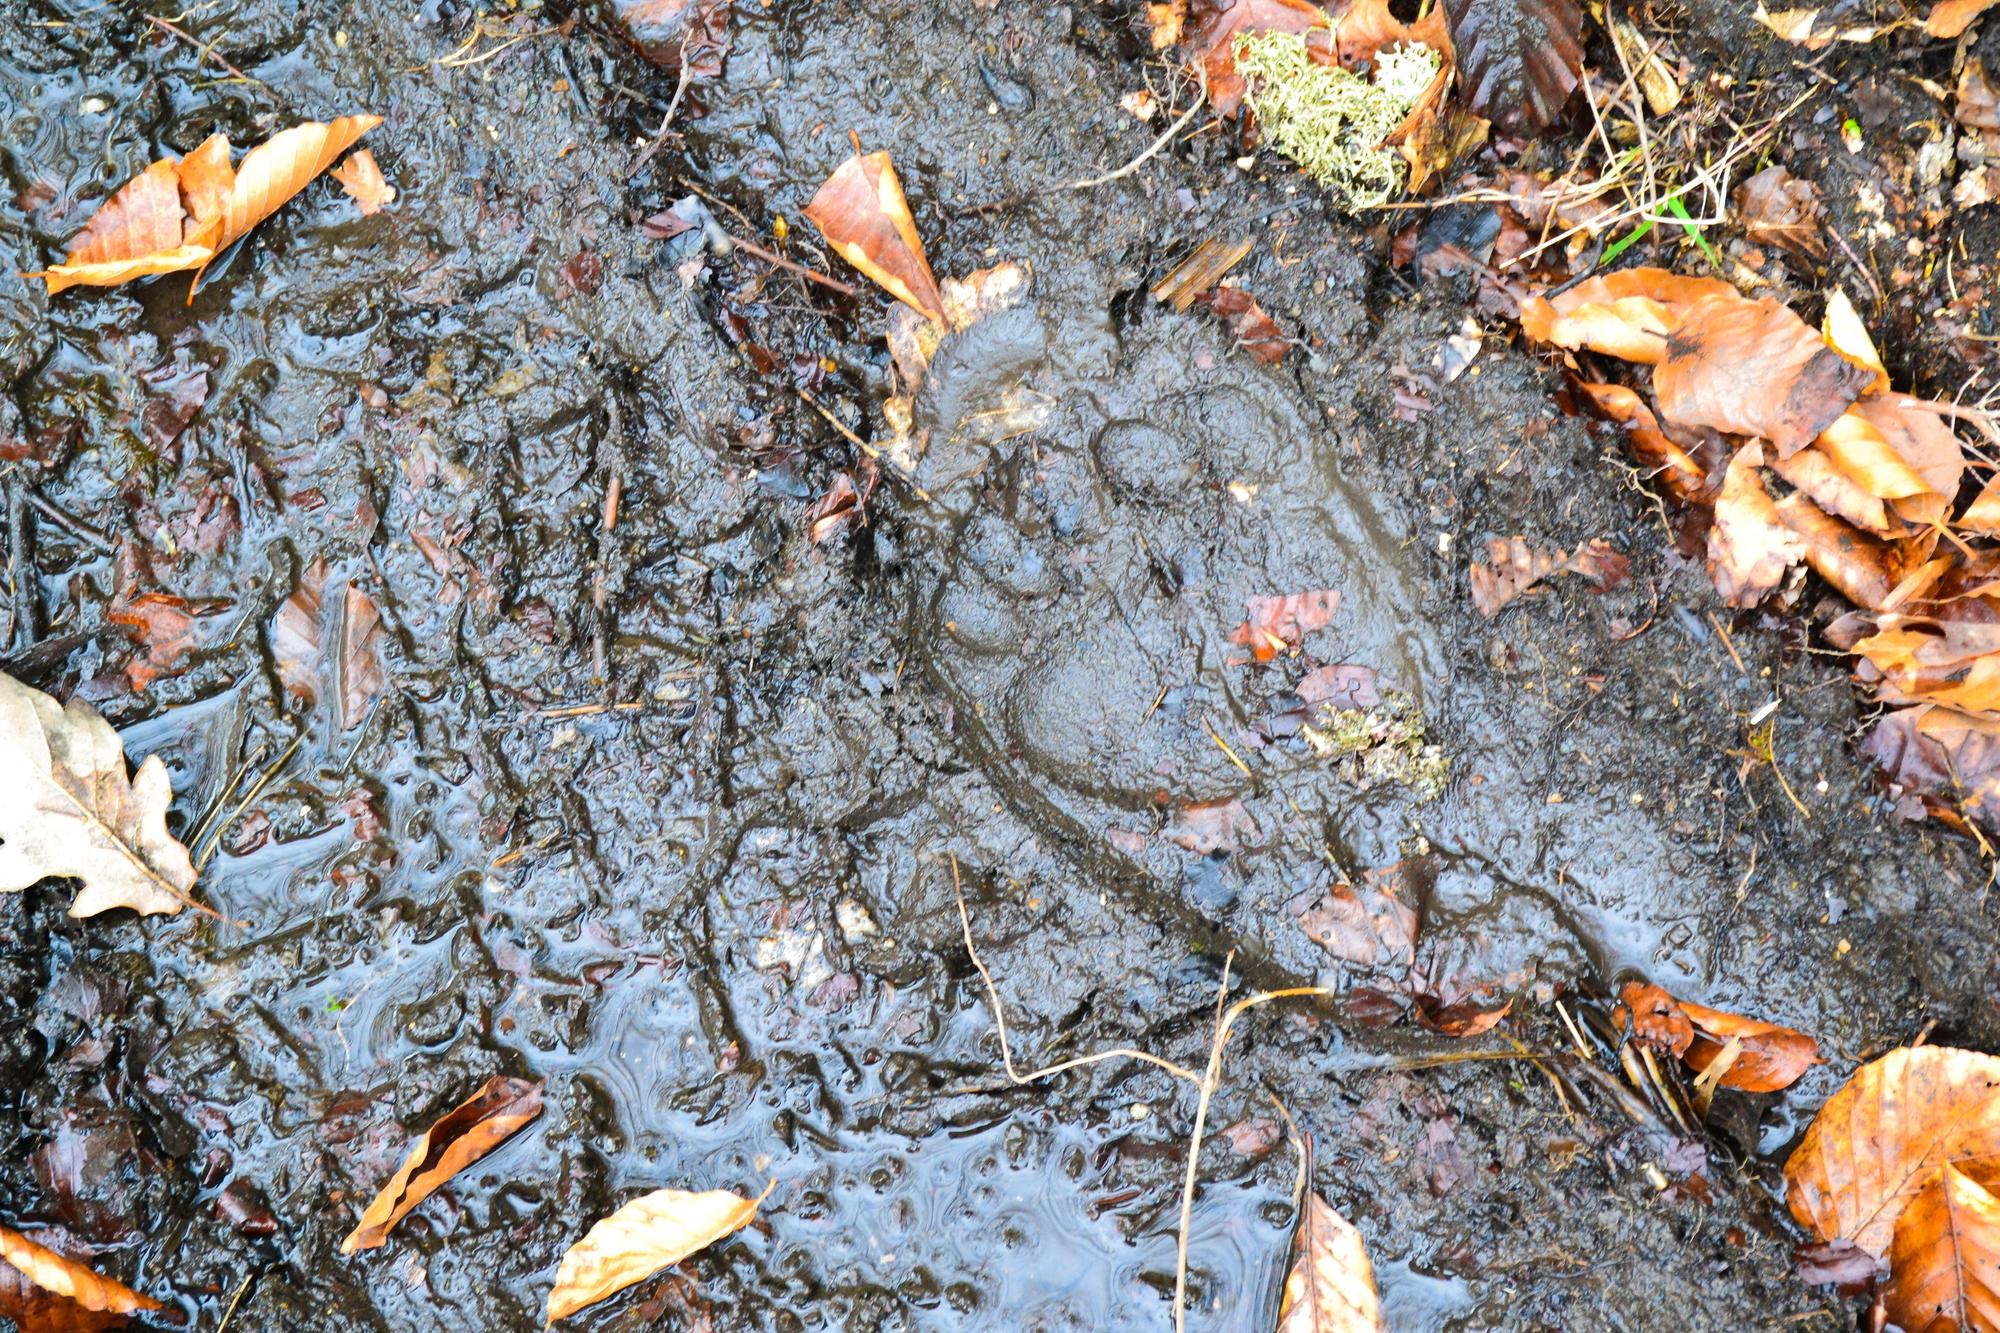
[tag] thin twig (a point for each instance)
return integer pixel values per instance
(75, 527)
(1200, 101)
(230, 1313)
(814, 275)
(206, 49)
(660, 135)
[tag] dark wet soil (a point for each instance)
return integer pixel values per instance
(717, 917)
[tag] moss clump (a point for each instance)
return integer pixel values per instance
(1385, 743)
(1332, 121)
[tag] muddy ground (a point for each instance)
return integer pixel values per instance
(665, 909)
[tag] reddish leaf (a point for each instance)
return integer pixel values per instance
(1513, 569)
(163, 627)
(1849, 1268)
(1211, 826)
(1256, 332)
(1771, 1057)
(1628, 314)
(1518, 60)
(1341, 684)
(842, 506)
(1779, 209)
(1656, 1019)
(300, 634)
(1280, 624)
(862, 213)
(1942, 753)
(1368, 925)
(1949, 18)
(1754, 368)
(1465, 1018)
(463, 1135)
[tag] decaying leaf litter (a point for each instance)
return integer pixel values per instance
(345, 641)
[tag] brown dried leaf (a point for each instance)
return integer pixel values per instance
(1192, 278)
(1949, 18)
(70, 809)
(1812, 471)
(1749, 548)
(1167, 20)
(1754, 368)
(1669, 464)
(1771, 1057)
(359, 661)
(1949, 757)
(646, 1235)
(1463, 1018)
(1880, 1139)
(1945, 1258)
(463, 1135)
(176, 216)
(364, 183)
(1657, 1019)
(1922, 659)
(1331, 1288)
(1780, 209)
(69, 1279)
(1368, 925)
(863, 214)
(295, 635)
(1212, 44)
(1519, 61)
(1212, 826)
(677, 33)
(299, 634)
(1845, 333)
(1628, 314)
(1280, 624)
(1256, 332)
(1859, 566)
(1513, 569)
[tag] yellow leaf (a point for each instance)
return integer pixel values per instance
(646, 1235)
(65, 1277)
(1331, 1288)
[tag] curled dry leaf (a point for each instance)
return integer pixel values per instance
(1670, 464)
(178, 215)
(1331, 1286)
(1212, 826)
(1806, 27)
(1280, 624)
(364, 183)
(1519, 61)
(1754, 368)
(1810, 470)
(646, 1235)
(1945, 1259)
(1771, 1057)
(1846, 334)
(1513, 569)
(1922, 659)
(67, 1278)
(863, 214)
(1458, 1018)
(1779, 209)
(461, 1136)
(1750, 549)
(1882, 1137)
(70, 810)
(1859, 566)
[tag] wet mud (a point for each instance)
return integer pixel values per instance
(707, 897)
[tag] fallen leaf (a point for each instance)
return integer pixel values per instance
(1851, 1269)
(1953, 758)
(1519, 61)
(53, 1273)
(862, 213)
(1462, 1018)
(1212, 826)
(1880, 1139)
(1256, 332)
(1823, 481)
(1754, 368)
(364, 183)
(1668, 463)
(982, 292)
(300, 633)
(71, 811)
(162, 626)
(1945, 1258)
(1846, 334)
(1513, 569)
(1254, 1137)
(1803, 27)
(1926, 659)
(1192, 278)
(1280, 624)
(460, 1137)
(178, 215)
(1368, 925)
(1331, 1285)
(1629, 314)
(1858, 565)
(1771, 1057)
(843, 506)
(677, 34)
(1166, 20)
(1779, 209)
(1949, 18)
(646, 1235)
(1212, 45)
(1750, 550)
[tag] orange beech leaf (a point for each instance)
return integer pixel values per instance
(1920, 659)
(1280, 624)
(1750, 548)
(1754, 368)
(176, 216)
(1923, 439)
(1813, 472)
(364, 183)
(650, 1233)
(66, 1277)
(1771, 1057)
(1879, 1140)
(1859, 451)
(1860, 567)
(1944, 1262)
(1983, 514)
(1465, 1018)
(1628, 314)
(463, 1135)
(863, 214)
(1779, 209)
(1669, 464)
(1949, 18)
(1331, 1285)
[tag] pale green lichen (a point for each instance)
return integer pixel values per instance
(1386, 743)
(1332, 121)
